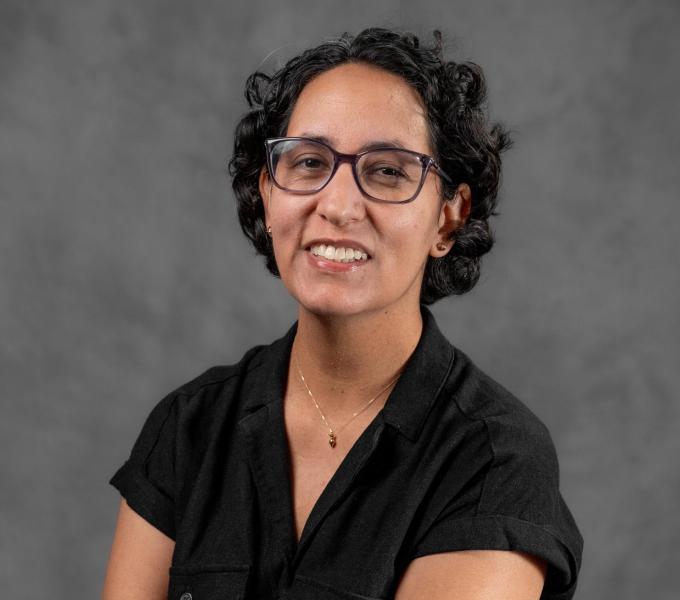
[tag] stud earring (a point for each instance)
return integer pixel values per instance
(269, 230)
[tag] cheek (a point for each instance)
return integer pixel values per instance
(287, 220)
(285, 214)
(416, 228)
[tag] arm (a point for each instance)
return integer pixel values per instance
(473, 575)
(140, 560)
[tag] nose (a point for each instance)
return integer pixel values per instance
(341, 201)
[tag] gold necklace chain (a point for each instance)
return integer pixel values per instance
(332, 435)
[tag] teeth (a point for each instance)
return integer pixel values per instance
(339, 254)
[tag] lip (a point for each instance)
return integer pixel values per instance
(344, 242)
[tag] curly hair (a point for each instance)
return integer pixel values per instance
(464, 143)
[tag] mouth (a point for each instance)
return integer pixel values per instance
(338, 254)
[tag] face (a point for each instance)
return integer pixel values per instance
(353, 106)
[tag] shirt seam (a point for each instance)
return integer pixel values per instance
(511, 518)
(148, 497)
(488, 472)
(566, 544)
(158, 435)
(442, 384)
(559, 538)
(459, 356)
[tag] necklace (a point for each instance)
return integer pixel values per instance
(332, 435)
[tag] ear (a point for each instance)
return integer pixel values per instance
(265, 187)
(453, 215)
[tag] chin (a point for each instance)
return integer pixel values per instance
(332, 307)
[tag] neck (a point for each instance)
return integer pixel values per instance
(348, 359)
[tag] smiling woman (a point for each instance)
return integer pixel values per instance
(361, 455)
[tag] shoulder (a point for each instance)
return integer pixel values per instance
(221, 375)
(211, 393)
(191, 424)
(505, 443)
(511, 426)
(218, 383)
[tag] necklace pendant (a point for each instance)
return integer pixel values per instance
(331, 439)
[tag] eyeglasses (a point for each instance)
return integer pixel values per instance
(305, 166)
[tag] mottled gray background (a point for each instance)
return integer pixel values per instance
(124, 272)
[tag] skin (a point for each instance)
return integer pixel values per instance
(356, 330)
(473, 575)
(139, 560)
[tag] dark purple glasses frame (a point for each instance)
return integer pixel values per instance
(426, 162)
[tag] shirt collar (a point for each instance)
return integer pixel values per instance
(411, 399)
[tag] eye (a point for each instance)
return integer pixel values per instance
(308, 163)
(388, 171)
(385, 172)
(390, 167)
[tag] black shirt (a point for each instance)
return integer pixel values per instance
(453, 461)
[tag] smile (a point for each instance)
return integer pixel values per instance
(318, 260)
(339, 254)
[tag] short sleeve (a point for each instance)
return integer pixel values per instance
(520, 508)
(146, 479)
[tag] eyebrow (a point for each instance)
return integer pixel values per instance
(385, 143)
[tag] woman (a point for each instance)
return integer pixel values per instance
(361, 455)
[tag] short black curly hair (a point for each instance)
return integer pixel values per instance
(464, 143)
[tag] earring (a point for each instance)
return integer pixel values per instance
(269, 230)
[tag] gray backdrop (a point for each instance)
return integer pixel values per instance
(124, 272)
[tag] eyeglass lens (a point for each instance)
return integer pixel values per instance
(306, 166)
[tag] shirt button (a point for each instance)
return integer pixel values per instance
(185, 596)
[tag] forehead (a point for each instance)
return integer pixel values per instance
(354, 105)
